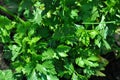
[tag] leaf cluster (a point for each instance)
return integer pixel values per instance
(57, 39)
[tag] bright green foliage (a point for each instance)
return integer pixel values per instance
(6, 75)
(58, 39)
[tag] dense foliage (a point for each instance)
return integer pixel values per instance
(57, 39)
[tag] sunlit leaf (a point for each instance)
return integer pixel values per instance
(80, 62)
(74, 77)
(15, 51)
(33, 76)
(6, 75)
(106, 44)
(52, 77)
(62, 50)
(93, 58)
(49, 54)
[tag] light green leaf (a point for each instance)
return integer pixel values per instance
(86, 40)
(15, 51)
(105, 32)
(41, 69)
(46, 67)
(70, 68)
(80, 62)
(6, 75)
(101, 24)
(37, 12)
(95, 13)
(106, 44)
(33, 76)
(62, 50)
(90, 63)
(2, 75)
(37, 16)
(52, 77)
(62, 54)
(28, 68)
(74, 13)
(93, 33)
(31, 31)
(49, 67)
(93, 58)
(98, 41)
(74, 77)
(34, 40)
(49, 54)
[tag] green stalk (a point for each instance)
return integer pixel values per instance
(17, 18)
(108, 22)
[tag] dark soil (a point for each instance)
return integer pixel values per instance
(3, 64)
(112, 70)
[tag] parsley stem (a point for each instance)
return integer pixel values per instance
(11, 14)
(108, 22)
